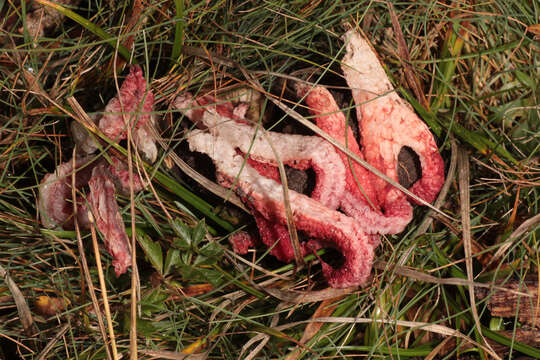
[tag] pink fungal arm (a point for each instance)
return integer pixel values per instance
(301, 152)
(387, 123)
(120, 175)
(331, 227)
(297, 151)
(360, 199)
(134, 105)
(55, 194)
(102, 202)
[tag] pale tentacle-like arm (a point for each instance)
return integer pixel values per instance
(387, 123)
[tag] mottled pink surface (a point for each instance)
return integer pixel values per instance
(359, 200)
(55, 194)
(119, 172)
(241, 242)
(297, 151)
(387, 123)
(56, 208)
(256, 181)
(55, 205)
(133, 103)
(370, 204)
(107, 216)
(300, 152)
(330, 227)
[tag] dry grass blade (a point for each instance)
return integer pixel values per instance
(84, 263)
(82, 116)
(29, 326)
(435, 328)
(412, 79)
(527, 225)
(263, 338)
(287, 204)
(91, 289)
(442, 195)
(103, 287)
(464, 195)
(438, 349)
(293, 297)
(420, 276)
(52, 342)
(171, 355)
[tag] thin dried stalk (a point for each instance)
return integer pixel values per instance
(444, 191)
(23, 310)
(434, 328)
(465, 200)
(420, 276)
(516, 234)
(103, 287)
(43, 354)
(412, 79)
(86, 271)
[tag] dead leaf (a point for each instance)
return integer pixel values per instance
(49, 306)
(535, 29)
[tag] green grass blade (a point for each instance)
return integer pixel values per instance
(501, 339)
(122, 50)
(179, 30)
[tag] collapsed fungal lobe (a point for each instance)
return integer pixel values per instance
(133, 105)
(55, 201)
(107, 217)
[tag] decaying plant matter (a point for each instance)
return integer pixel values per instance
(131, 109)
(246, 159)
(41, 18)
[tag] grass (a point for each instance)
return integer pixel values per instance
(477, 64)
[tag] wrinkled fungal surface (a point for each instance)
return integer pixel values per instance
(328, 228)
(387, 123)
(133, 106)
(55, 194)
(102, 201)
(368, 206)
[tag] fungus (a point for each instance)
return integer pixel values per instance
(133, 105)
(387, 124)
(297, 151)
(108, 220)
(359, 199)
(55, 192)
(371, 206)
(327, 227)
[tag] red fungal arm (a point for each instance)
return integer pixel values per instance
(55, 196)
(331, 227)
(134, 104)
(360, 199)
(300, 152)
(387, 123)
(242, 242)
(102, 202)
(120, 174)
